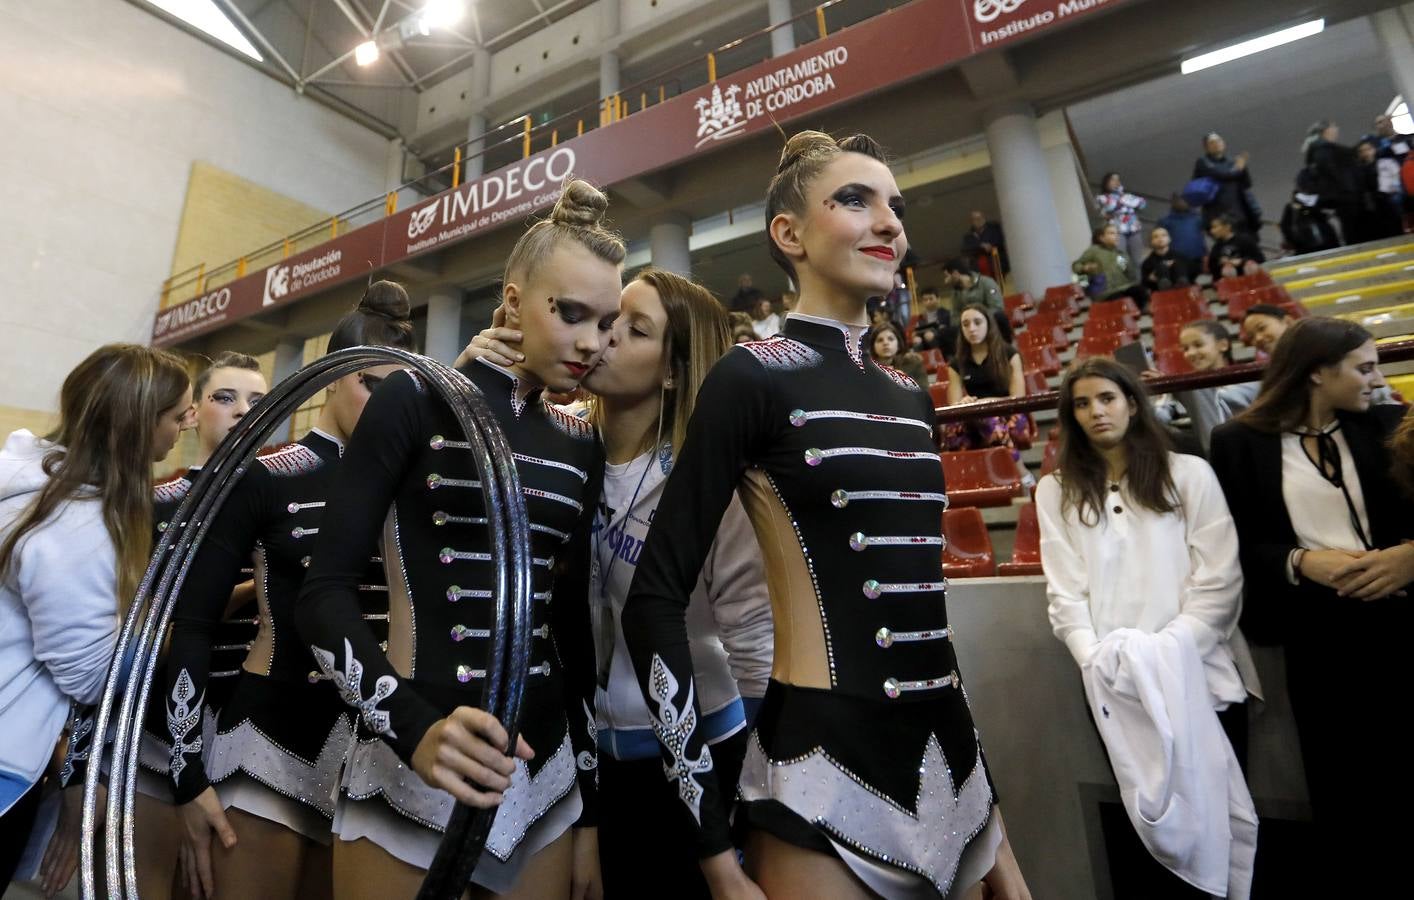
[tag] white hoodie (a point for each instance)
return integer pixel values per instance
(58, 612)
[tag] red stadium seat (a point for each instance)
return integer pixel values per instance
(1166, 334)
(1276, 295)
(1101, 344)
(938, 390)
(985, 477)
(932, 359)
(1017, 307)
(1050, 456)
(1052, 326)
(1172, 295)
(1171, 361)
(968, 553)
(1035, 381)
(1069, 294)
(1040, 356)
(1026, 552)
(1115, 307)
(1167, 306)
(1226, 287)
(1111, 321)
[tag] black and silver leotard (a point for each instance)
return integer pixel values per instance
(282, 728)
(408, 477)
(864, 745)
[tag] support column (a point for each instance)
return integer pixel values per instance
(1068, 192)
(475, 164)
(393, 165)
(1028, 211)
(1395, 30)
(668, 243)
(289, 359)
(783, 38)
(609, 62)
(444, 324)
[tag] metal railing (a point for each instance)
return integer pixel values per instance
(1395, 351)
(521, 136)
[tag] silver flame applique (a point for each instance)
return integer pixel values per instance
(930, 840)
(183, 717)
(350, 685)
(674, 728)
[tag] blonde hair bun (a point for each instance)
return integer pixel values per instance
(804, 145)
(580, 205)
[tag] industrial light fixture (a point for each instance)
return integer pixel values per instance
(1249, 47)
(441, 14)
(366, 54)
(204, 16)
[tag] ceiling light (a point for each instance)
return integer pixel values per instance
(442, 13)
(1255, 45)
(204, 16)
(366, 54)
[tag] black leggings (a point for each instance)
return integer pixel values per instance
(15, 826)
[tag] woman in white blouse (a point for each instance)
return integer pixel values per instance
(1327, 550)
(1135, 536)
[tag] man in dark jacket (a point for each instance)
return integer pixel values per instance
(744, 300)
(1234, 198)
(981, 238)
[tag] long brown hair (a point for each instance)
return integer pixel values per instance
(108, 407)
(1082, 470)
(998, 360)
(803, 158)
(698, 333)
(1308, 345)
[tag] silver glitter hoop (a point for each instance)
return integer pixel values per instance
(128, 686)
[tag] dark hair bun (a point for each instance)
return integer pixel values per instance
(580, 204)
(387, 299)
(805, 144)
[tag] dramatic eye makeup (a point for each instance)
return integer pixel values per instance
(859, 196)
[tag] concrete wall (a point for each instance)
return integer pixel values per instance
(1151, 133)
(1047, 760)
(106, 107)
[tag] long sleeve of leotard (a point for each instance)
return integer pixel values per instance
(328, 614)
(731, 421)
(574, 646)
(201, 606)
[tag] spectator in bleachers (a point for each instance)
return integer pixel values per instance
(764, 320)
(1305, 227)
(1331, 173)
(1110, 270)
(1121, 209)
(1165, 268)
(970, 286)
(742, 330)
(887, 347)
(981, 240)
(1234, 252)
(788, 301)
(1379, 214)
(1234, 197)
(1327, 546)
(1185, 228)
(1263, 325)
(1207, 346)
(1389, 142)
(934, 321)
(1137, 544)
(744, 300)
(982, 367)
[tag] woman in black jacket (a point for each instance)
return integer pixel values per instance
(1234, 197)
(1327, 550)
(1333, 175)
